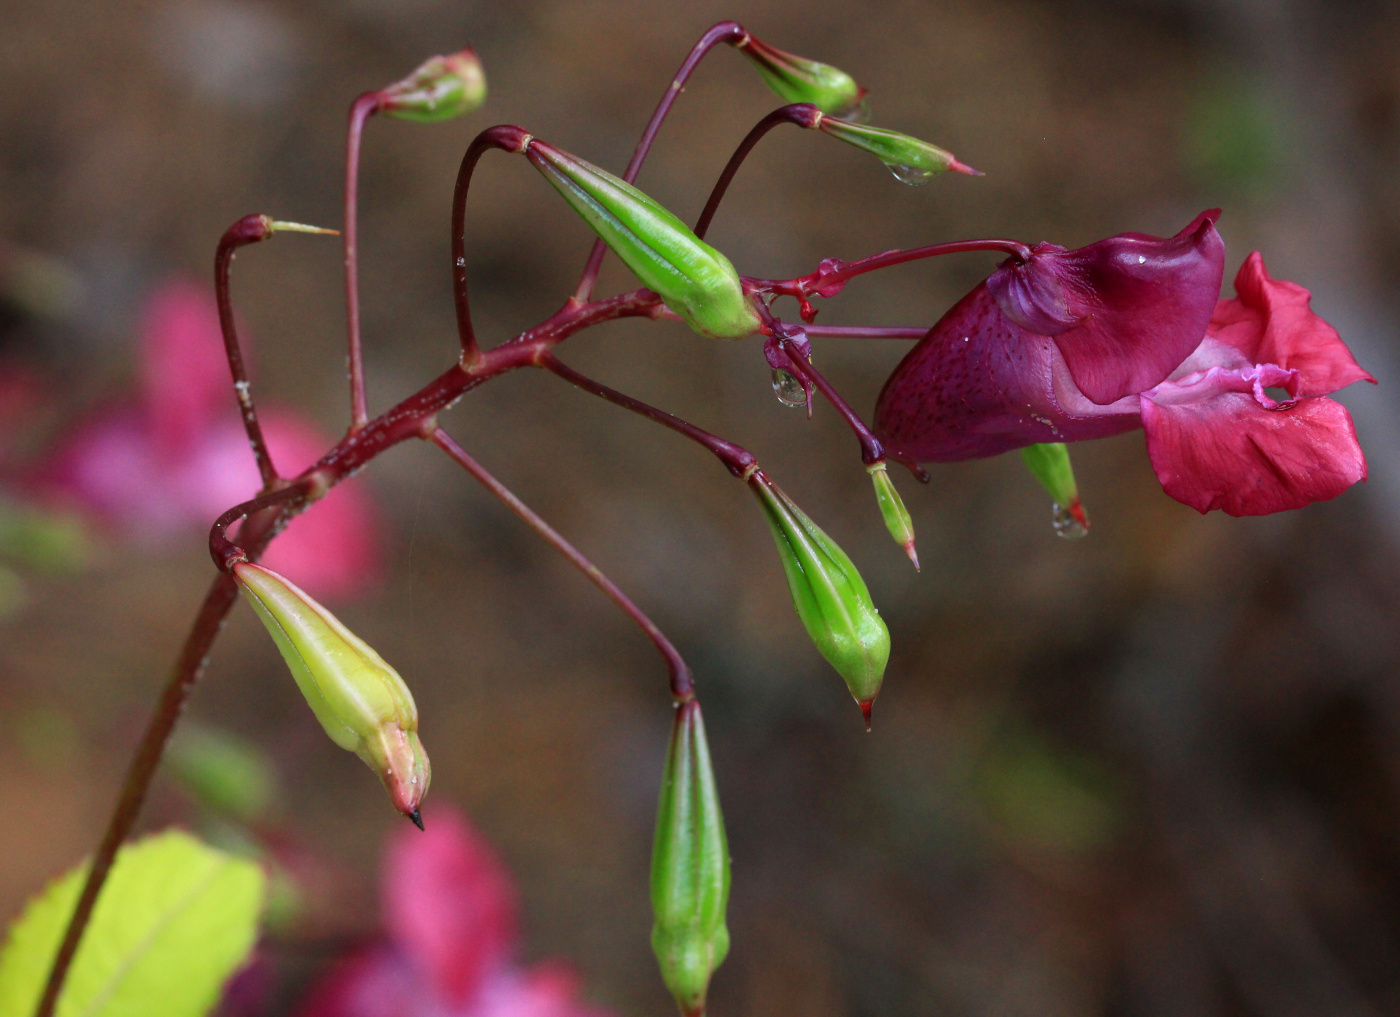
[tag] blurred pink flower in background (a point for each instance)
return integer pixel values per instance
(450, 930)
(170, 462)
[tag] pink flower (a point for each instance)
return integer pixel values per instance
(170, 462)
(1129, 333)
(449, 912)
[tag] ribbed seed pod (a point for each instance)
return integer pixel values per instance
(359, 699)
(696, 281)
(689, 867)
(911, 160)
(797, 79)
(441, 88)
(1049, 463)
(892, 510)
(829, 594)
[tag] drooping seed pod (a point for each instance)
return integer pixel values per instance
(892, 510)
(696, 281)
(911, 160)
(441, 88)
(689, 867)
(1049, 463)
(797, 79)
(359, 699)
(829, 594)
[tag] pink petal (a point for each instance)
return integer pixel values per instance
(185, 379)
(545, 990)
(372, 982)
(1124, 311)
(1271, 321)
(1228, 452)
(448, 904)
(979, 384)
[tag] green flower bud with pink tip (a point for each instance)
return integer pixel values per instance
(892, 510)
(911, 160)
(689, 867)
(829, 594)
(1049, 463)
(696, 281)
(359, 699)
(797, 79)
(441, 88)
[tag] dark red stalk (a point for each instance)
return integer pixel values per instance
(360, 111)
(866, 332)
(729, 32)
(248, 230)
(739, 461)
(682, 685)
(508, 139)
(801, 113)
(871, 451)
(833, 274)
(189, 668)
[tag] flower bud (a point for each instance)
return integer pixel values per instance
(1049, 463)
(441, 88)
(359, 699)
(696, 281)
(829, 594)
(910, 160)
(797, 79)
(689, 867)
(896, 516)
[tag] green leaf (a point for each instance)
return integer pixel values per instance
(174, 921)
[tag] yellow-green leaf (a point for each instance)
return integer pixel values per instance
(174, 921)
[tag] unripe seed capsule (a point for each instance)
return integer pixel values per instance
(359, 699)
(829, 594)
(1049, 463)
(911, 161)
(441, 88)
(797, 79)
(689, 867)
(896, 516)
(696, 281)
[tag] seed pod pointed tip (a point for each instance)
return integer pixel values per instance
(417, 818)
(913, 554)
(866, 705)
(958, 166)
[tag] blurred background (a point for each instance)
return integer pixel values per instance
(1153, 772)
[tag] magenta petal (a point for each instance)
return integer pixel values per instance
(1271, 321)
(1144, 303)
(1228, 452)
(371, 982)
(1032, 294)
(979, 384)
(185, 379)
(449, 904)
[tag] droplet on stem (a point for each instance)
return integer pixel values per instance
(789, 389)
(1066, 524)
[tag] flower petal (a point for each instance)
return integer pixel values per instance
(979, 384)
(1228, 452)
(1142, 304)
(449, 905)
(1271, 321)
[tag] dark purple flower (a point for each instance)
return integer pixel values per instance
(1128, 333)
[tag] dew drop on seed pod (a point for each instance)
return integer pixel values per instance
(788, 389)
(1066, 525)
(911, 175)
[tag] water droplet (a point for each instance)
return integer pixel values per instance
(1066, 525)
(788, 389)
(911, 175)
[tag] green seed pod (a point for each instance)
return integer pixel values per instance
(896, 516)
(911, 161)
(696, 281)
(359, 699)
(443, 87)
(689, 867)
(1049, 463)
(830, 596)
(797, 79)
